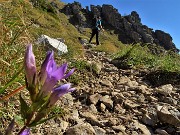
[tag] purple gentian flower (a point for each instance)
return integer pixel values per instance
(49, 74)
(54, 74)
(58, 92)
(30, 65)
(26, 132)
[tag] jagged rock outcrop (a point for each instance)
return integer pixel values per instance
(111, 14)
(96, 10)
(129, 27)
(75, 9)
(164, 39)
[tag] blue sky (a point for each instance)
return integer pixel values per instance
(156, 14)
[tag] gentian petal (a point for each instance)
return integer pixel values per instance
(69, 73)
(49, 57)
(51, 80)
(59, 73)
(48, 85)
(62, 87)
(26, 132)
(51, 67)
(30, 64)
(43, 73)
(58, 92)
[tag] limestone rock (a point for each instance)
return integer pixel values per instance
(142, 127)
(60, 46)
(106, 83)
(165, 89)
(106, 100)
(68, 99)
(119, 128)
(94, 98)
(81, 129)
(166, 116)
(102, 107)
(91, 118)
(130, 104)
(99, 131)
(93, 108)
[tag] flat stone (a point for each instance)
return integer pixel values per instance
(118, 109)
(142, 127)
(93, 108)
(81, 129)
(94, 98)
(99, 131)
(119, 128)
(130, 104)
(106, 83)
(91, 118)
(164, 115)
(106, 100)
(165, 89)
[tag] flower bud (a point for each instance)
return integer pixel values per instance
(30, 65)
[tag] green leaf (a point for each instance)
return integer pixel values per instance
(40, 104)
(11, 81)
(41, 121)
(24, 107)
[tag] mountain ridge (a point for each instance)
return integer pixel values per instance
(129, 27)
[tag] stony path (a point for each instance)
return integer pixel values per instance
(112, 101)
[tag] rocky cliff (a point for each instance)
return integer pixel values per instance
(129, 27)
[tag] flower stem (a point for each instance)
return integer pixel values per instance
(22, 129)
(27, 123)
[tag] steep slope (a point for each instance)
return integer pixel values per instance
(37, 21)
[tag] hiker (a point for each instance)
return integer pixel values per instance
(96, 29)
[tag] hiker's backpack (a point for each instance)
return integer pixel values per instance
(94, 21)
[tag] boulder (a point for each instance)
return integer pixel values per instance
(56, 44)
